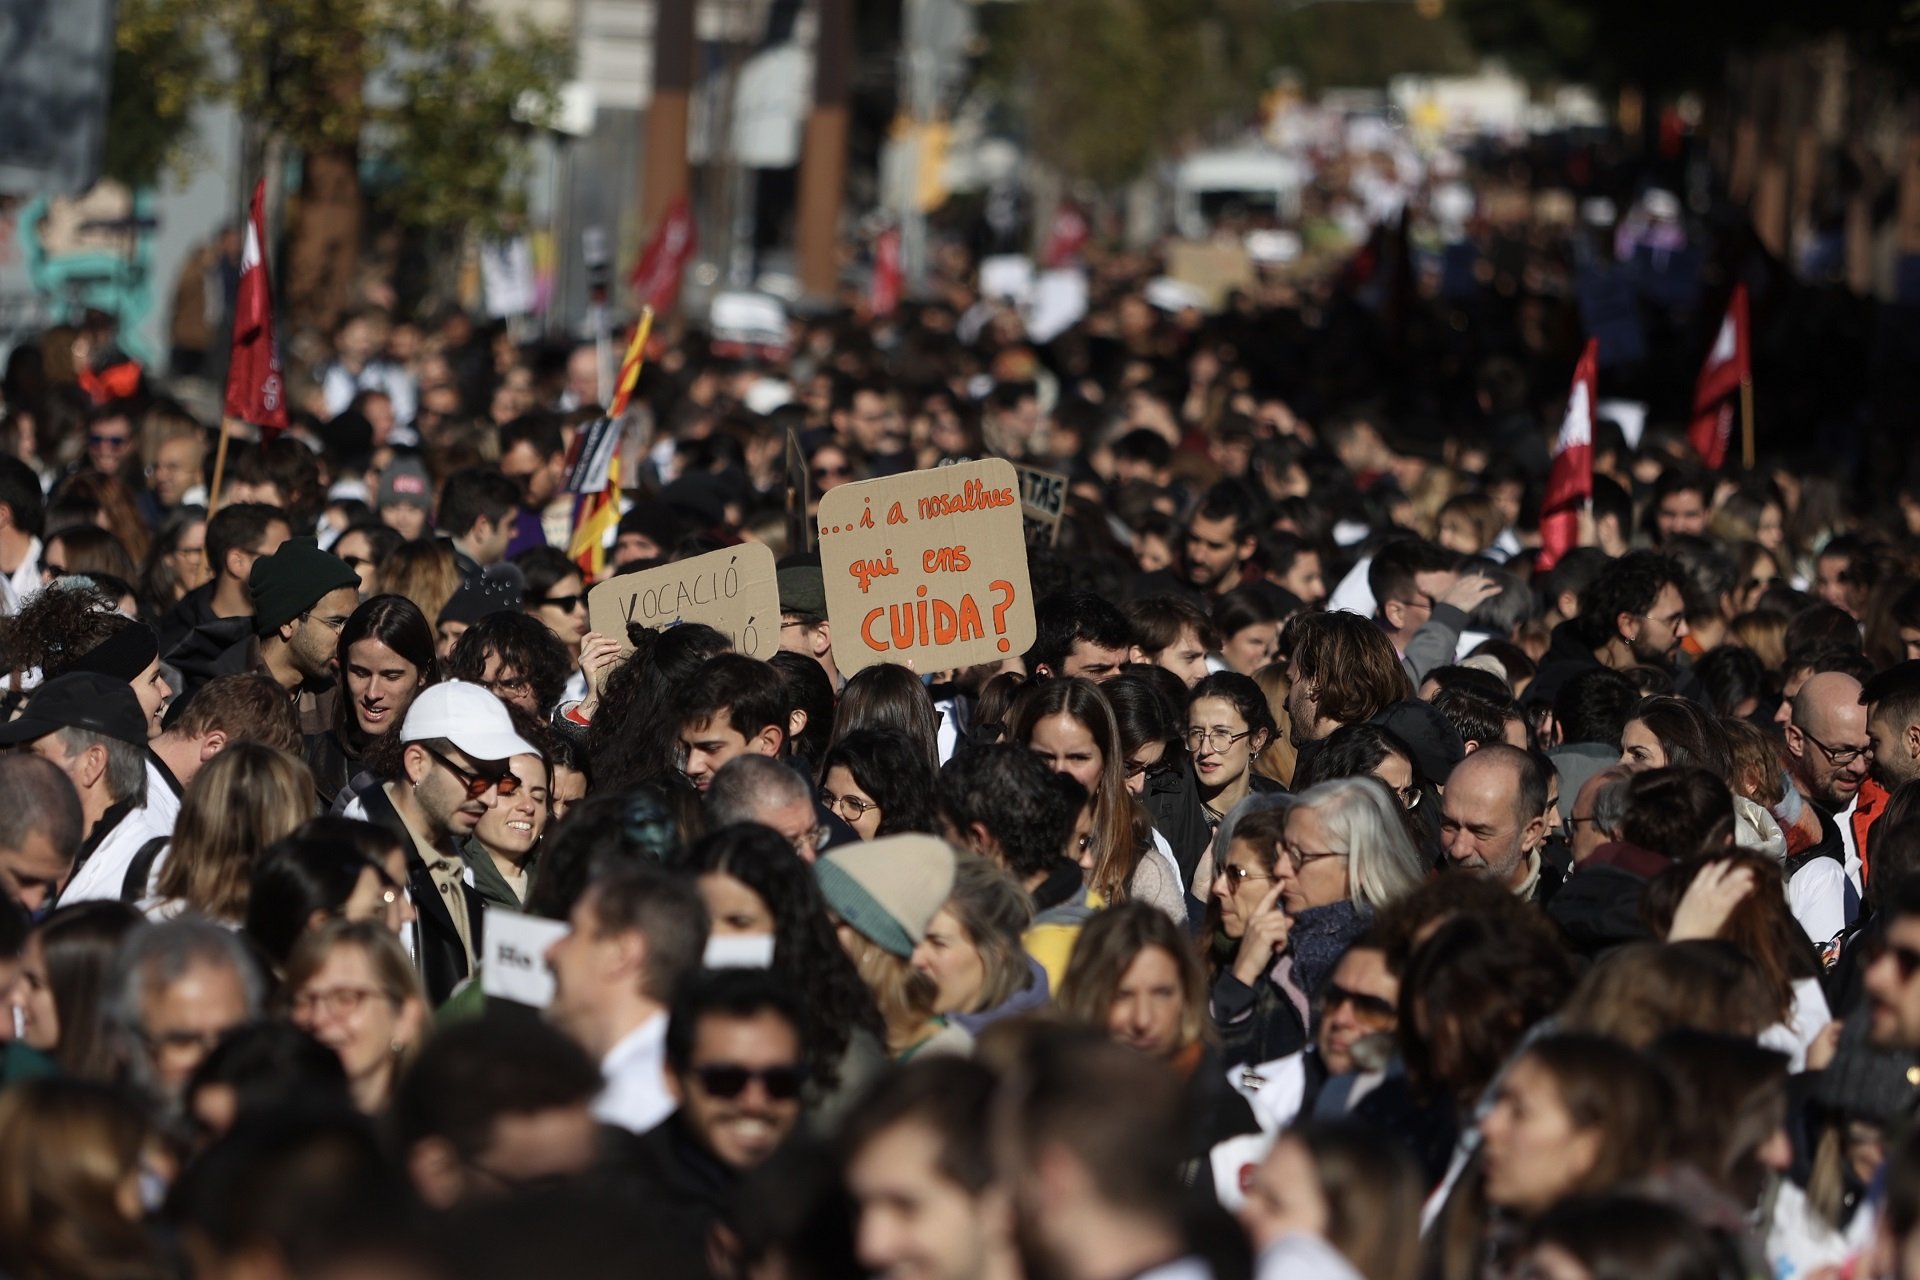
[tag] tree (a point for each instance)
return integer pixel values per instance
(437, 91)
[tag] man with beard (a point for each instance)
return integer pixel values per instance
(1893, 726)
(455, 745)
(1088, 1137)
(735, 1063)
(1634, 615)
(1828, 752)
(1221, 538)
(1892, 978)
(1493, 820)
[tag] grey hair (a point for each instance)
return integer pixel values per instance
(126, 763)
(994, 910)
(1610, 805)
(155, 955)
(1364, 820)
(38, 799)
(746, 785)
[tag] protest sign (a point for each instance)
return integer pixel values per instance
(732, 590)
(589, 463)
(928, 568)
(1043, 501)
(1213, 269)
(515, 964)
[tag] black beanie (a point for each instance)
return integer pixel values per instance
(123, 655)
(292, 580)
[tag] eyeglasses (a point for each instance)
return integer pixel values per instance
(478, 784)
(1332, 996)
(1237, 875)
(1409, 796)
(1905, 959)
(200, 552)
(565, 604)
(850, 807)
(508, 687)
(333, 623)
(1213, 739)
(98, 441)
(1301, 857)
(1837, 756)
(729, 1080)
(828, 473)
(810, 840)
(1670, 621)
(335, 1002)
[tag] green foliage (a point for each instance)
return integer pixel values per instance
(1357, 46)
(448, 122)
(1109, 85)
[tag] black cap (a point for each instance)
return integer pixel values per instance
(80, 700)
(1435, 743)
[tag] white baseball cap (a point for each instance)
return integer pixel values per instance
(469, 717)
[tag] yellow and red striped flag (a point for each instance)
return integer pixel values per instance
(600, 512)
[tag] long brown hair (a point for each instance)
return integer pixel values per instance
(246, 798)
(424, 571)
(1106, 949)
(66, 1147)
(1762, 925)
(1115, 834)
(1373, 1190)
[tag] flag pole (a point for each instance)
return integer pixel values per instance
(219, 464)
(1746, 424)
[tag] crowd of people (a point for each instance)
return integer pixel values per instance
(1327, 893)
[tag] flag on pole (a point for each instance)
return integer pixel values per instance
(1570, 477)
(256, 391)
(1717, 393)
(888, 276)
(596, 514)
(656, 278)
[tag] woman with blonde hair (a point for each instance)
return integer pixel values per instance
(424, 571)
(973, 951)
(74, 1155)
(351, 987)
(247, 797)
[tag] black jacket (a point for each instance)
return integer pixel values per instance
(1173, 802)
(441, 958)
(194, 610)
(688, 1187)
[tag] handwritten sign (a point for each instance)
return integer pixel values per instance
(732, 590)
(1043, 501)
(515, 965)
(929, 567)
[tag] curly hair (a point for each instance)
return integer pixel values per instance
(58, 626)
(837, 1002)
(632, 736)
(523, 644)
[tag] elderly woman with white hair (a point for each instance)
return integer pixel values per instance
(1295, 885)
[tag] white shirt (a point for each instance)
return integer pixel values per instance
(1817, 896)
(635, 1096)
(1844, 820)
(15, 587)
(106, 869)
(1303, 1257)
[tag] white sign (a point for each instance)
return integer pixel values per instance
(515, 964)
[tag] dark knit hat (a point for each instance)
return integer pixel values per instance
(803, 589)
(1435, 743)
(292, 580)
(657, 523)
(123, 655)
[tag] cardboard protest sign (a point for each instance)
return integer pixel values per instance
(1043, 501)
(929, 567)
(1215, 269)
(732, 590)
(515, 964)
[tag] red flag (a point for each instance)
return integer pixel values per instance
(888, 276)
(657, 277)
(256, 392)
(1067, 237)
(1570, 477)
(1716, 393)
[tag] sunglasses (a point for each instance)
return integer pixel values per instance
(828, 473)
(108, 442)
(1332, 996)
(1905, 959)
(726, 1080)
(565, 604)
(478, 784)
